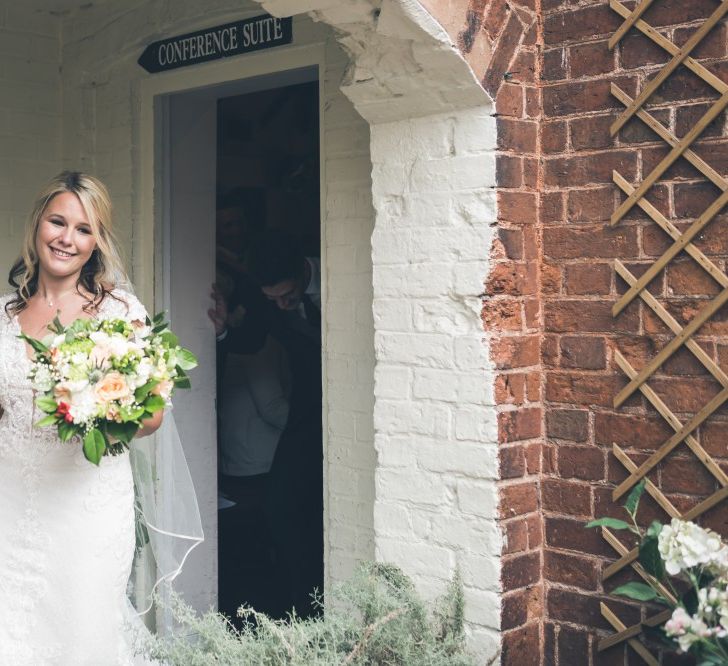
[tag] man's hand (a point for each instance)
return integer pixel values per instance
(219, 313)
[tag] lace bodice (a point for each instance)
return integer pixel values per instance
(68, 525)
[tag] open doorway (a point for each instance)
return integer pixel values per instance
(270, 522)
(241, 193)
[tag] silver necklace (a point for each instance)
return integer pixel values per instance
(50, 302)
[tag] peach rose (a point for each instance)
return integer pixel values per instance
(62, 393)
(112, 387)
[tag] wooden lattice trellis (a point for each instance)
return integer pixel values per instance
(637, 288)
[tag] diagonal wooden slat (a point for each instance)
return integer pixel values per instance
(671, 66)
(708, 503)
(667, 506)
(700, 453)
(615, 543)
(698, 510)
(663, 42)
(683, 335)
(690, 427)
(628, 634)
(690, 155)
(669, 321)
(671, 230)
(691, 232)
(671, 347)
(628, 23)
(666, 162)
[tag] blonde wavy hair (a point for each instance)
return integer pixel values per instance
(101, 273)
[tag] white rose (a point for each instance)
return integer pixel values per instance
(118, 346)
(79, 359)
(77, 386)
(99, 337)
(143, 372)
(42, 380)
(100, 356)
(84, 405)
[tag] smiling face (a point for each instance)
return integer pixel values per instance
(64, 239)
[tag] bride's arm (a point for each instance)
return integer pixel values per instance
(150, 425)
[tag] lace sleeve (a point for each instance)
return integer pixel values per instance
(123, 304)
(4, 317)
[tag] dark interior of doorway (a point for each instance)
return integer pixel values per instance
(267, 178)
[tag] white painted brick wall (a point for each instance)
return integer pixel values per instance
(30, 118)
(349, 220)
(436, 431)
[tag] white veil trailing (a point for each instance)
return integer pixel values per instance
(167, 513)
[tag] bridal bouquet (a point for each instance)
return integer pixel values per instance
(99, 379)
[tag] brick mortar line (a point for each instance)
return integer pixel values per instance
(540, 181)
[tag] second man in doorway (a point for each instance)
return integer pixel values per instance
(291, 283)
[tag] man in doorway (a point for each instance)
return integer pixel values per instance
(291, 283)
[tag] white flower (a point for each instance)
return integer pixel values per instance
(686, 628)
(84, 405)
(79, 359)
(118, 346)
(76, 386)
(42, 380)
(100, 356)
(99, 337)
(679, 622)
(143, 371)
(142, 332)
(684, 545)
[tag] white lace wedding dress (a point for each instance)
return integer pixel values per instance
(66, 530)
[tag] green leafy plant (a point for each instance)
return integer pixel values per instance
(376, 618)
(687, 569)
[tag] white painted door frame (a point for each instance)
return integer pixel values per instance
(151, 260)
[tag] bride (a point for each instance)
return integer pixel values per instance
(68, 527)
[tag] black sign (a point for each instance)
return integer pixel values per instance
(253, 34)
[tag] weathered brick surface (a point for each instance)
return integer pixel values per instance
(555, 332)
(578, 288)
(513, 311)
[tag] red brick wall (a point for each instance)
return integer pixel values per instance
(512, 314)
(548, 300)
(579, 287)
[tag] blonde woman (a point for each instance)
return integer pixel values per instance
(68, 527)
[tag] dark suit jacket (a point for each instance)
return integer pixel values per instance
(302, 343)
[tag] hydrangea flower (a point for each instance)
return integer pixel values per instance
(684, 545)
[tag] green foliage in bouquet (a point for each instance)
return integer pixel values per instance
(98, 380)
(376, 618)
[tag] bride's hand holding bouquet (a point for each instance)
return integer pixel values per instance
(100, 380)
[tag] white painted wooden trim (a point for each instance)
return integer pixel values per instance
(151, 226)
